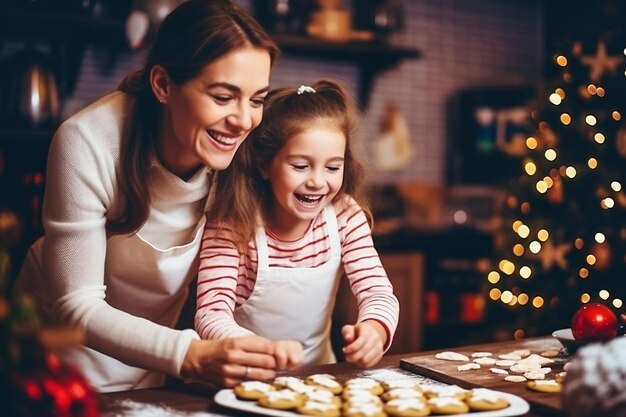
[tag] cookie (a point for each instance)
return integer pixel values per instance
(323, 409)
(252, 390)
(481, 354)
(560, 377)
(401, 393)
(515, 378)
(322, 396)
(407, 407)
(485, 361)
(452, 356)
(447, 405)
(284, 399)
(467, 367)
(363, 410)
(324, 381)
(400, 383)
(360, 396)
(545, 385)
(365, 383)
(432, 391)
(290, 382)
(482, 399)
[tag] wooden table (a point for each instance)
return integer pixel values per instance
(198, 398)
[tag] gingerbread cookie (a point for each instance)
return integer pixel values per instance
(252, 390)
(407, 407)
(544, 385)
(482, 399)
(324, 381)
(363, 410)
(401, 393)
(284, 399)
(323, 409)
(365, 383)
(447, 405)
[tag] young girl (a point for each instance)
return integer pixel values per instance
(289, 221)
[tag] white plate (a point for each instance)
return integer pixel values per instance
(226, 398)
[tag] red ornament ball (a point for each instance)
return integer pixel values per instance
(594, 322)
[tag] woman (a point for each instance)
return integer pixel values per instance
(127, 185)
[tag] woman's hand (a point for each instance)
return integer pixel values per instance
(364, 343)
(227, 362)
(289, 354)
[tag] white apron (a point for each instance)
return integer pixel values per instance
(295, 303)
(158, 280)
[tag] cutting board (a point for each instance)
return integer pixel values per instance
(446, 371)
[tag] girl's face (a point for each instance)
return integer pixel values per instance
(305, 176)
(208, 117)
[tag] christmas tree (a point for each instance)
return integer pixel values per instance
(562, 236)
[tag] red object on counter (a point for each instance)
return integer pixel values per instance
(594, 322)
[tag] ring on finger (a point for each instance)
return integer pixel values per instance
(246, 373)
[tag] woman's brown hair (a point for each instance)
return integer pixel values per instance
(244, 193)
(193, 35)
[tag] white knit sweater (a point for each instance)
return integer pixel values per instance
(130, 316)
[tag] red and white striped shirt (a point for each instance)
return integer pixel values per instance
(226, 277)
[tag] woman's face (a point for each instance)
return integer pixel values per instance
(208, 117)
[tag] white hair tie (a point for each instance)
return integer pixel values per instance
(305, 89)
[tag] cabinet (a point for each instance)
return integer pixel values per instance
(406, 272)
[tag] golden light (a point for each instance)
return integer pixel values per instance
(523, 231)
(522, 299)
(493, 277)
(519, 334)
(550, 154)
(607, 203)
(541, 186)
(494, 294)
(591, 89)
(549, 181)
(617, 303)
(530, 168)
(525, 272)
(604, 294)
(565, 119)
(585, 298)
(616, 115)
(616, 186)
(507, 267)
(525, 207)
(561, 60)
(600, 92)
(599, 237)
(518, 249)
(591, 120)
(538, 302)
(591, 259)
(599, 137)
(506, 297)
(560, 92)
(531, 142)
(534, 247)
(555, 99)
(583, 273)
(592, 163)
(570, 172)
(543, 235)
(516, 225)
(579, 243)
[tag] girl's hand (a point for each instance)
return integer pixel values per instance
(227, 362)
(289, 354)
(364, 343)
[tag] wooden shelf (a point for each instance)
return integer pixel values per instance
(370, 57)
